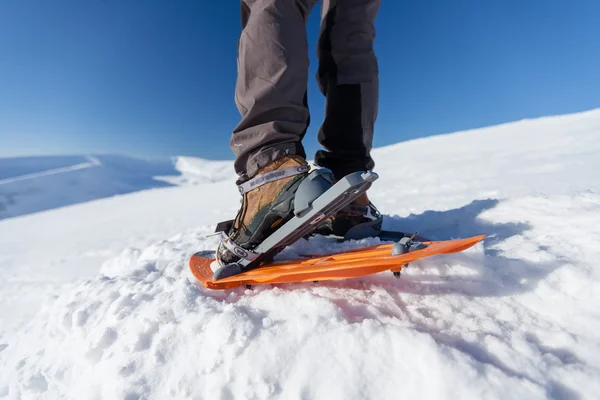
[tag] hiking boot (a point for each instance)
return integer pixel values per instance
(267, 204)
(358, 220)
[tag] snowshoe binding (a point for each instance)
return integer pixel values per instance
(360, 220)
(354, 221)
(281, 204)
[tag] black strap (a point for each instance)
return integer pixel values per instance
(224, 226)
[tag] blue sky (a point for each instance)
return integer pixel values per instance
(156, 77)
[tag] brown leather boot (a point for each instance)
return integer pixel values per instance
(267, 203)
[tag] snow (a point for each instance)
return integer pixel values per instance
(195, 171)
(33, 184)
(96, 299)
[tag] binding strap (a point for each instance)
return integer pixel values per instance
(262, 179)
(246, 256)
(224, 226)
(369, 212)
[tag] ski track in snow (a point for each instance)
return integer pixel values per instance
(516, 316)
(92, 162)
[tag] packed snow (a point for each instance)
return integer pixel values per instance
(96, 299)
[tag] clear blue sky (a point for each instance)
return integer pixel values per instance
(156, 77)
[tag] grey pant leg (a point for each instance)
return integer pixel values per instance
(271, 84)
(348, 76)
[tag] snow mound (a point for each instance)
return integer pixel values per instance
(33, 184)
(196, 171)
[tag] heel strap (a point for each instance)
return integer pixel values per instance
(272, 176)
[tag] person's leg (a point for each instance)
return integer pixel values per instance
(348, 77)
(271, 84)
(271, 96)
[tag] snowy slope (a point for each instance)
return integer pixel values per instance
(194, 171)
(33, 184)
(118, 315)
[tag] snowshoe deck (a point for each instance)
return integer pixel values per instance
(344, 265)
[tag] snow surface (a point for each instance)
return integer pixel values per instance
(96, 299)
(33, 184)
